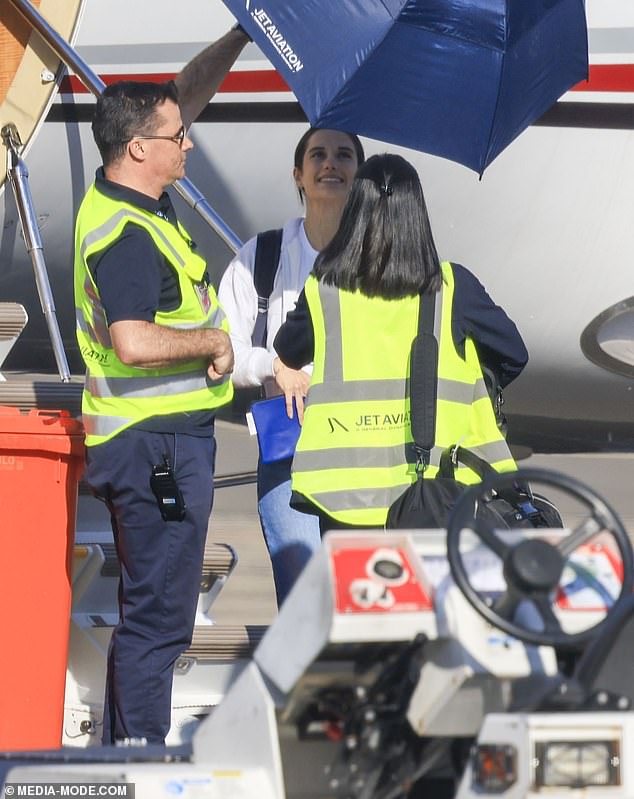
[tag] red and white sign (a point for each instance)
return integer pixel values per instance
(377, 580)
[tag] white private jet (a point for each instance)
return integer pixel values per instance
(547, 230)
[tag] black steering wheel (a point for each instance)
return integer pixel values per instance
(533, 567)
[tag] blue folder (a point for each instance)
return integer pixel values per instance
(277, 434)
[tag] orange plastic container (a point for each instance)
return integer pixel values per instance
(41, 460)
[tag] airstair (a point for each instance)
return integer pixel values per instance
(216, 657)
(13, 319)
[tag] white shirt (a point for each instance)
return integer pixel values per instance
(238, 297)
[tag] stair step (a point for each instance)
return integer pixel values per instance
(219, 561)
(27, 391)
(225, 642)
(210, 642)
(13, 318)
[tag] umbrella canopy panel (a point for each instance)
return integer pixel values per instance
(455, 78)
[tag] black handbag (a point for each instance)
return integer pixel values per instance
(428, 502)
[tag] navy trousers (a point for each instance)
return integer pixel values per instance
(161, 565)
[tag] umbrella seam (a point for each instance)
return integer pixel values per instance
(497, 99)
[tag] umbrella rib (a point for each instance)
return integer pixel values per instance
(497, 104)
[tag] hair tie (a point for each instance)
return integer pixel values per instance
(386, 189)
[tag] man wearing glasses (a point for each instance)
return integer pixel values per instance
(158, 363)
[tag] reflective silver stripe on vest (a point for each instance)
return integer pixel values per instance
(156, 386)
(98, 329)
(383, 457)
(397, 389)
(493, 452)
(214, 321)
(218, 316)
(356, 390)
(359, 498)
(111, 224)
(102, 338)
(457, 391)
(86, 328)
(333, 361)
(103, 425)
(480, 390)
(359, 457)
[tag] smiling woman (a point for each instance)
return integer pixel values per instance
(324, 165)
(30, 72)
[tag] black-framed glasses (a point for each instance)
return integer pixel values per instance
(177, 138)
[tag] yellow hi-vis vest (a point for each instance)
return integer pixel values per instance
(355, 453)
(117, 396)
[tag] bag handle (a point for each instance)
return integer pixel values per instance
(458, 454)
(520, 494)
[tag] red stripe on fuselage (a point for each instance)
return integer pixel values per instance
(237, 82)
(603, 78)
(608, 78)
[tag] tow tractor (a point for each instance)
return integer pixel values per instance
(464, 663)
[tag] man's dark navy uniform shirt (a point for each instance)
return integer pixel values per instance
(135, 281)
(474, 314)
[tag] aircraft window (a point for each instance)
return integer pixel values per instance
(608, 341)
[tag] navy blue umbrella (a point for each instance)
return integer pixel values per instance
(455, 78)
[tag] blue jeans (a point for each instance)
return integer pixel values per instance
(291, 537)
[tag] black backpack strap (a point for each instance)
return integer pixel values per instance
(267, 259)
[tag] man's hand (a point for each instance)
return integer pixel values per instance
(222, 360)
(294, 383)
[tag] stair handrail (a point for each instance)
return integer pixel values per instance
(187, 190)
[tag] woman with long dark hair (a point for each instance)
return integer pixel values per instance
(356, 320)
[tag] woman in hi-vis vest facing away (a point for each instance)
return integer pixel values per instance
(356, 320)
(325, 162)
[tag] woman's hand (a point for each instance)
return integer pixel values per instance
(294, 383)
